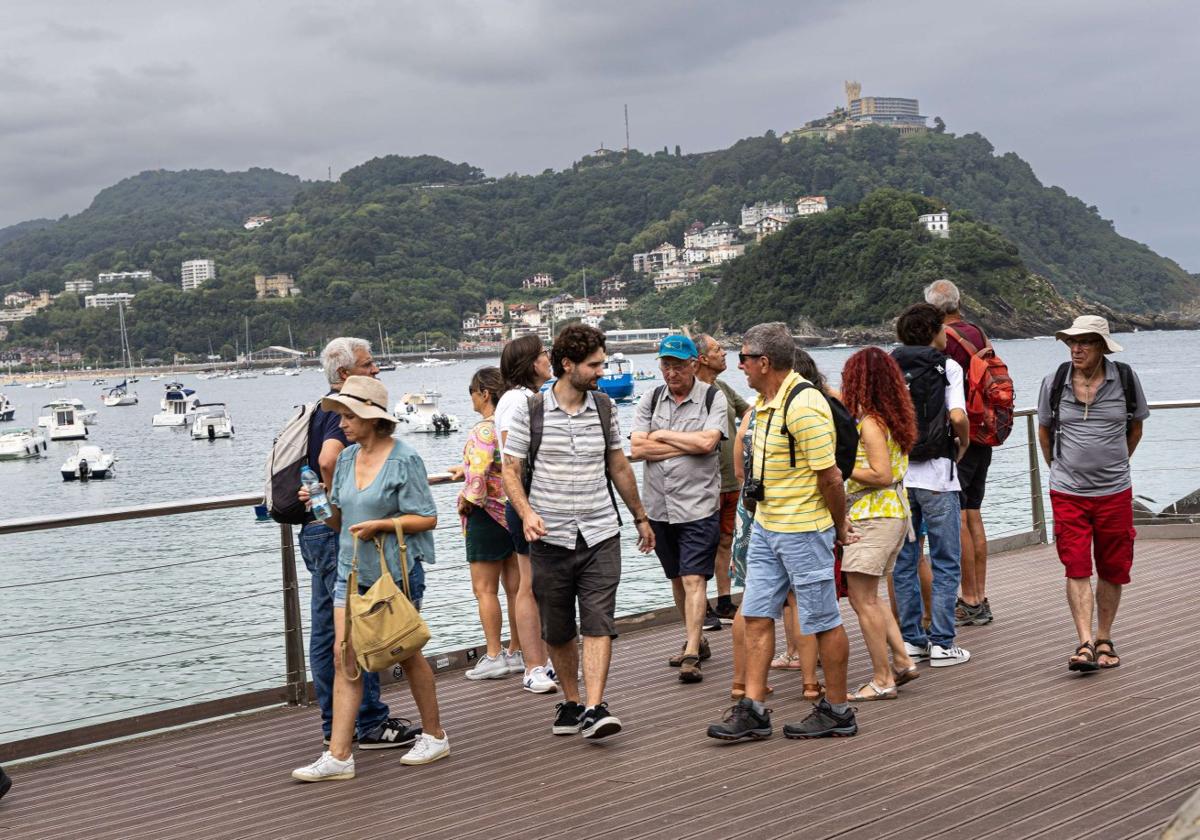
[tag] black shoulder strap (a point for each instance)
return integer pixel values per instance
(537, 421)
(1125, 374)
(1056, 389)
(709, 396)
(655, 396)
(604, 410)
(796, 389)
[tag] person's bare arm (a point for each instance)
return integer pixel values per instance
(829, 482)
(739, 449)
(513, 476)
(878, 472)
(326, 463)
(1134, 435)
(626, 483)
(1044, 443)
(962, 431)
(643, 447)
(701, 442)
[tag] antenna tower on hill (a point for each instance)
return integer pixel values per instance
(626, 129)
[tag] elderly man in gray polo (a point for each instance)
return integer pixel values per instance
(676, 431)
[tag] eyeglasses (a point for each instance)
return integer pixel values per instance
(1082, 342)
(742, 357)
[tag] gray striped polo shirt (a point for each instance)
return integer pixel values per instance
(568, 491)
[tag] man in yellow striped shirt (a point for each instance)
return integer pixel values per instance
(801, 511)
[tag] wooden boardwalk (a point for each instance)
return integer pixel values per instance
(1008, 746)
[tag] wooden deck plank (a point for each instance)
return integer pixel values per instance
(1001, 734)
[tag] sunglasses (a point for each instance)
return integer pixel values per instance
(743, 357)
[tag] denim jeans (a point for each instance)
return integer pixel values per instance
(319, 548)
(940, 513)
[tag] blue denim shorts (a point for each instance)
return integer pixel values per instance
(802, 562)
(416, 584)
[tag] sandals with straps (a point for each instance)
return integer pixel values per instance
(1084, 659)
(1111, 653)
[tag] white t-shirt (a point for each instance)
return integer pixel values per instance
(939, 474)
(507, 407)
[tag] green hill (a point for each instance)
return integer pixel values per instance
(416, 242)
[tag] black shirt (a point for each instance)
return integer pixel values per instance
(324, 426)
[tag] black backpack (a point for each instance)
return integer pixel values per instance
(1124, 373)
(845, 431)
(924, 371)
(537, 422)
(709, 396)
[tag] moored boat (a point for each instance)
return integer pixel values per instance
(617, 380)
(176, 406)
(88, 462)
(419, 412)
(17, 444)
(7, 409)
(211, 421)
(64, 422)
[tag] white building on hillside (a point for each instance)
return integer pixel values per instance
(193, 273)
(936, 223)
(140, 276)
(806, 205)
(753, 214)
(769, 225)
(674, 277)
(79, 286)
(538, 281)
(724, 253)
(106, 301)
(718, 233)
(656, 260)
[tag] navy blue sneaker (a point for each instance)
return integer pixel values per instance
(393, 732)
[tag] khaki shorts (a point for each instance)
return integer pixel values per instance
(875, 553)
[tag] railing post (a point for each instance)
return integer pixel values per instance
(1035, 479)
(293, 631)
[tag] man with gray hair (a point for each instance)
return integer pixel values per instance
(801, 511)
(964, 340)
(342, 358)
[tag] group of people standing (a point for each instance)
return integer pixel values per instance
(765, 495)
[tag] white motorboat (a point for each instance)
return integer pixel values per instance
(177, 406)
(275, 371)
(99, 381)
(119, 395)
(89, 462)
(7, 409)
(242, 374)
(211, 374)
(65, 422)
(418, 412)
(56, 383)
(17, 444)
(35, 384)
(87, 415)
(211, 421)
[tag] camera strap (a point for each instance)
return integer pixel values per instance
(762, 462)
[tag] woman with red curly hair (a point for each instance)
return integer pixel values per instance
(873, 390)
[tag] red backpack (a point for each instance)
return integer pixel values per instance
(989, 393)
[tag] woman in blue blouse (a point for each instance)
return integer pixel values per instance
(377, 480)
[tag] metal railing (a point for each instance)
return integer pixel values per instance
(1006, 478)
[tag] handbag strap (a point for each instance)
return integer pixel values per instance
(403, 545)
(349, 662)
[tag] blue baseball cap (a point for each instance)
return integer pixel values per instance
(677, 347)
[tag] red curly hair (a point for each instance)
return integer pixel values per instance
(873, 386)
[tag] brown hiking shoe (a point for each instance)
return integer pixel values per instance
(689, 670)
(705, 653)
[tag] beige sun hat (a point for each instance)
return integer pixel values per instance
(365, 396)
(1091, 325)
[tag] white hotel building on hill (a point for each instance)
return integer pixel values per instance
(193, 273)
(105, 301)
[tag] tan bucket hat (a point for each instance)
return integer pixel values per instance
(363, 395)
(1091, 325)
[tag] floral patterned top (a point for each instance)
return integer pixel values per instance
(482, 485)
(882, 502)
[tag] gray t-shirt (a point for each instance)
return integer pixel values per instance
(687, 487)
(1092, 455)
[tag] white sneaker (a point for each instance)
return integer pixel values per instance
(515, 661)
(942, 657)
(489, 668)
(538, 681)
(550, 671)
(325, 769)
(916, 653)
(427, 749)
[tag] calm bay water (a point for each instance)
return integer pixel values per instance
(195, 613)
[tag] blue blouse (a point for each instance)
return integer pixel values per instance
(401, 486)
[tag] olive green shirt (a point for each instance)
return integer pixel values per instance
(735, 409)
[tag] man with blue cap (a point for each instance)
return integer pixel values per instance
(676, 431)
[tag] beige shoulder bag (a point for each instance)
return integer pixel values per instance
(384, 625)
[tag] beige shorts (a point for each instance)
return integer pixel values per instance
(875, 553)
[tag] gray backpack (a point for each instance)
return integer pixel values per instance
(289, 453)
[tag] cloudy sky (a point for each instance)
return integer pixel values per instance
(1099, 96)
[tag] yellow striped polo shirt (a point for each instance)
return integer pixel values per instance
(792, 502)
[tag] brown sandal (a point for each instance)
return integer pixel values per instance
(739, 691)
(813, 691)
(1111, 653)
(1084, 659)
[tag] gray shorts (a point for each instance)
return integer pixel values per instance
(589, 574)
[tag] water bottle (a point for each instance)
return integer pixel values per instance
(316, 493)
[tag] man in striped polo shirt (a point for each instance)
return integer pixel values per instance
(801, 510)
(571, 522)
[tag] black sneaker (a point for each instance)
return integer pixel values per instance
(326, 740)
(712, 621)
(742, 723)
(568, 718)
(823, 722)
(393, 732)
(5, 783)
(726, 611)
(987, 612)
(599, 722)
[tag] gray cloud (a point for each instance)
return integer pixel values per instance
(1094, 94)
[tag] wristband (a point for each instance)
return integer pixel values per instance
(638, 520)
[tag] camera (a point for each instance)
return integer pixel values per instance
(753, 489)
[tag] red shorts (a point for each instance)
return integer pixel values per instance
(1102, 523)
(729, 503)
